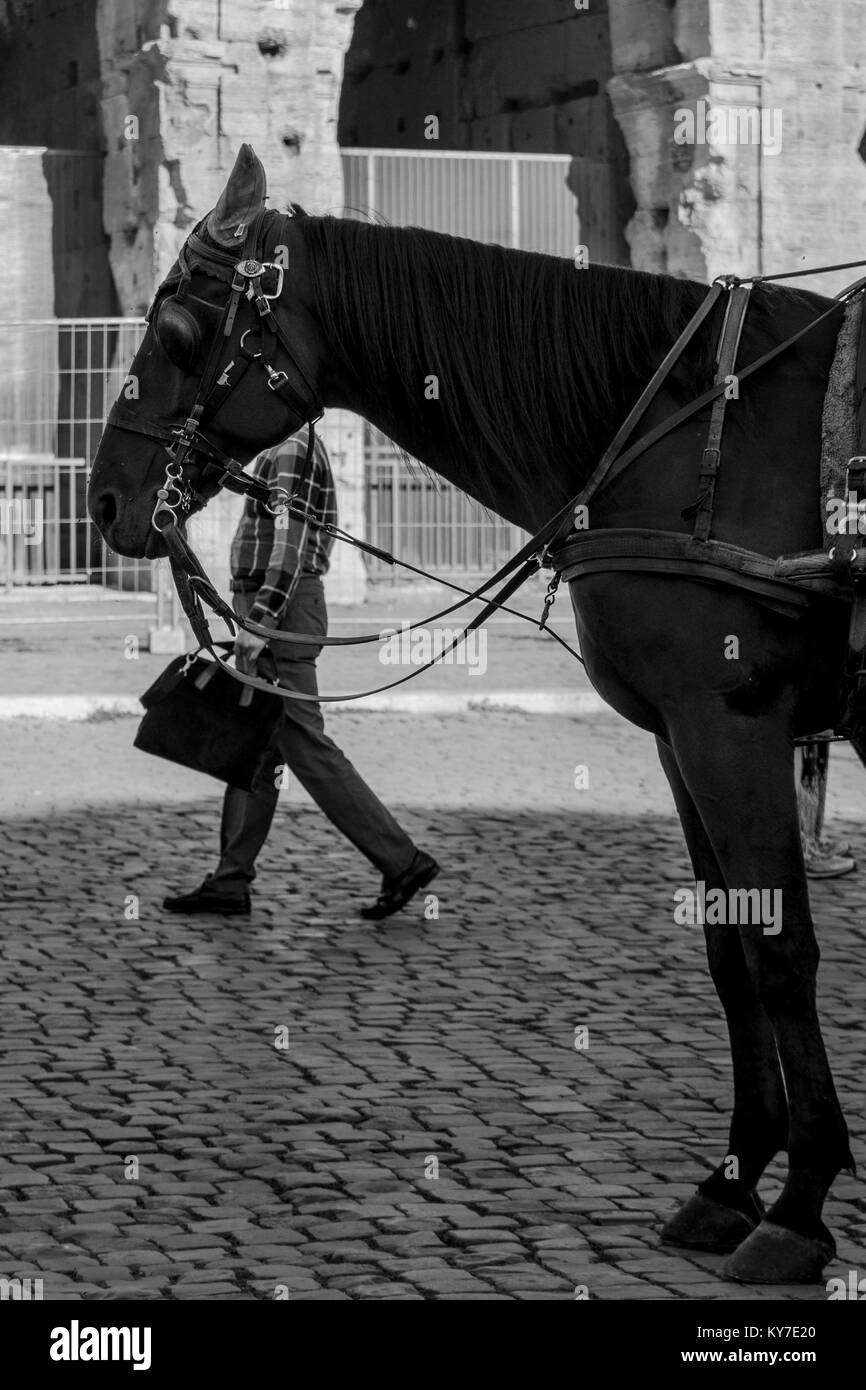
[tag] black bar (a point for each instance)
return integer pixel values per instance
(225, 1340)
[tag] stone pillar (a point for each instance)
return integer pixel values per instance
(26, 216)
(793, 197)
(343, 436)
(28, 359)
(178, 102)
(179, 99)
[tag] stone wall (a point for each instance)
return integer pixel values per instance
(184, 89)
(184, 84)
(604, 84)
(161, 93)
(795, 199)
(498, 75)
(27, 287)
(49, 106)
(26, 270)
(49, 74)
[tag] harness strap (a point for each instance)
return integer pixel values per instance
(732, 329)
(190, 592)
(202, 588)
(678, 553)
(616, 467)
(231, 376)
(644, 400)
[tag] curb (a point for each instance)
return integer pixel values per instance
(573, 704)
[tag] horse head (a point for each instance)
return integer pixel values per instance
(231, 363)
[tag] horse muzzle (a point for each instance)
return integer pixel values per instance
(122, 505)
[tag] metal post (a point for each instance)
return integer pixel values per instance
(8, 526)
(168, 636)
(160, 593)
(514, 169)
(371, 188)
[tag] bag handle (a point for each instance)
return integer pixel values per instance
(210, 669)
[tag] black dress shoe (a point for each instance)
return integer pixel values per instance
(209, 898)
(396, 892)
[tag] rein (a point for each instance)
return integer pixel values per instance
(551, 547)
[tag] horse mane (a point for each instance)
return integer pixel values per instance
(563, 351)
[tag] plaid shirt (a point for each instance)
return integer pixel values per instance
(272, 552)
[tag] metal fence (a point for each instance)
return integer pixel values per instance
(519, 200)
(60, 378)
(426, 521)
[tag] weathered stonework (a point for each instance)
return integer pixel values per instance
(499, 75)
(704, 209)
(178, 102)
(176, 106)
(50, 117)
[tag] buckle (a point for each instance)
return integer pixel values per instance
(163, 505)
(276, 380)
(271, 265)
(278, 501)
(710, 460)
(254, 270)
(855, 473)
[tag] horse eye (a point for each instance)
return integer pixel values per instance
(178, 334)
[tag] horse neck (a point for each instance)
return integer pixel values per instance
(472, 359)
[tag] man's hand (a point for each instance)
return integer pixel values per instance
(248, 649)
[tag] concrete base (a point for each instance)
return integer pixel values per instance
(168, 641)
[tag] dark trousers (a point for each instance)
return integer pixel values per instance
(303, 746)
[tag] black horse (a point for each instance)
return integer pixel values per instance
(508, 373)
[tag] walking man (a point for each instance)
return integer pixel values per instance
(277, 565)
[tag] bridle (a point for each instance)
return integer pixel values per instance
(228, 360)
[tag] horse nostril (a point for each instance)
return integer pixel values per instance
(105, 510)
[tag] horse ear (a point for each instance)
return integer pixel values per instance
(243, 197)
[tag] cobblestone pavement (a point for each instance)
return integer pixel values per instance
(159, 1140)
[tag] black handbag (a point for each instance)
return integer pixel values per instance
(198, 716)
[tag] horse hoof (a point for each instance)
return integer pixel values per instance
(702, 1224)
(774, 1255)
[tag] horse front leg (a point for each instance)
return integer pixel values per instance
(726, 1207)
(739, 771)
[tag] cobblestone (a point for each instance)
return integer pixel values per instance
(448, 1038)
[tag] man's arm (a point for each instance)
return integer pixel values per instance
(290, 536)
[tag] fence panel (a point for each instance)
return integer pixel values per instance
(520, 200)
(512, 199)
(58, 380)
(53, 404)
(427, 522)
